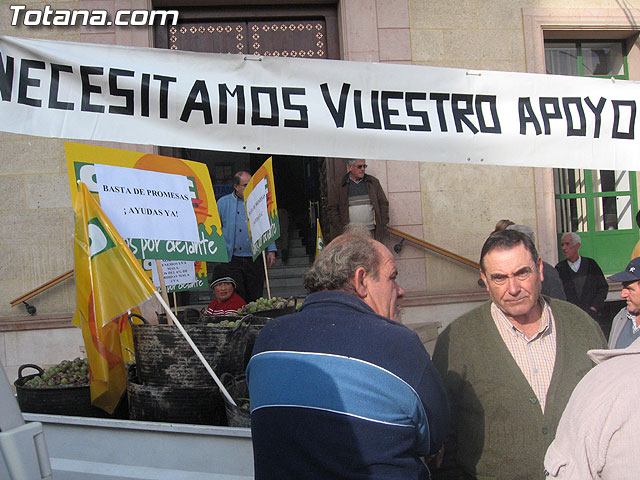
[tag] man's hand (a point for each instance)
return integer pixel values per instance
(271, 258)
(435, 460)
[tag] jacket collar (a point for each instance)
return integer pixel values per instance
(599, 356)
(336, 296)
(345, 179)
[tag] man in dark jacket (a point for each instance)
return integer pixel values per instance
(340, 389)
(583, 280)
(358, 198)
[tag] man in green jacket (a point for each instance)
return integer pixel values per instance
(510, 366)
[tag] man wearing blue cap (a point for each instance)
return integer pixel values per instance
(625, 327)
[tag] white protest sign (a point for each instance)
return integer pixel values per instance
(257, 210)
(175, 272)
(146, 204)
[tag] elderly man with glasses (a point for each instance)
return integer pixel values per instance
(510, 366)
(358, 199)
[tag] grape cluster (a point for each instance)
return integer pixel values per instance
(274, 303)
(243, 404)
(225, 323)
(68, 373)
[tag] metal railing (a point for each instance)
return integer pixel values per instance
(398, 247)
(38, 290)
(429, 246)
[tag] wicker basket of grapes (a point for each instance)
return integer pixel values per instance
(250, 319)
(59, 390)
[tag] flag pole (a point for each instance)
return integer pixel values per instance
(175, 304)
(195, 349)
(266, 274)
(163, 288)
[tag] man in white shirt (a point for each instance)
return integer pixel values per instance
(582, 279)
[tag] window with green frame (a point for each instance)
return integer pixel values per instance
(598, 205)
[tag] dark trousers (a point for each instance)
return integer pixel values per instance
(283, 218)
(249, 277)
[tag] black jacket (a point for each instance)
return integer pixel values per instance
(595, 287)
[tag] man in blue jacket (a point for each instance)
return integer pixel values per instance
(249, 275)
(340, 389)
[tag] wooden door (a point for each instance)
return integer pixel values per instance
(293, 31)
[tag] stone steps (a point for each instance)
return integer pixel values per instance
(285, 279)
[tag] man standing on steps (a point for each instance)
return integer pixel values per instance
(582, 278)
(358, 198)
(249, 275)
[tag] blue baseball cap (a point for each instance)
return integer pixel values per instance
(629, 274)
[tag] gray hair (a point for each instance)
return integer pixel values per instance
(336, 265)
(351, 161)
(575, 238)
(526, 229)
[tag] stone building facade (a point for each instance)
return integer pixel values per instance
(452, 206)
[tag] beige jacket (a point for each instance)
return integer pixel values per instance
(599, 433)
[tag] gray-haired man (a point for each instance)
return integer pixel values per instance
(340, 389)
(582, 279)
(358, 198)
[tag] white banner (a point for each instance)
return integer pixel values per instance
(146, 204)
(315, 107)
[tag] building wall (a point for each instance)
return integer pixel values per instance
(458, 211)
(444, 204)
(36, 220)
(450, 209)
(36, 230)
(36, 216)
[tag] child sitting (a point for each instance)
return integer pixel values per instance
(227, 301)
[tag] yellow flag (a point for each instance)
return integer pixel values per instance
(319, 238)
(109, 281)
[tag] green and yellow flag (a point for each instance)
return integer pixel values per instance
(319, 238)
(109, 281)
